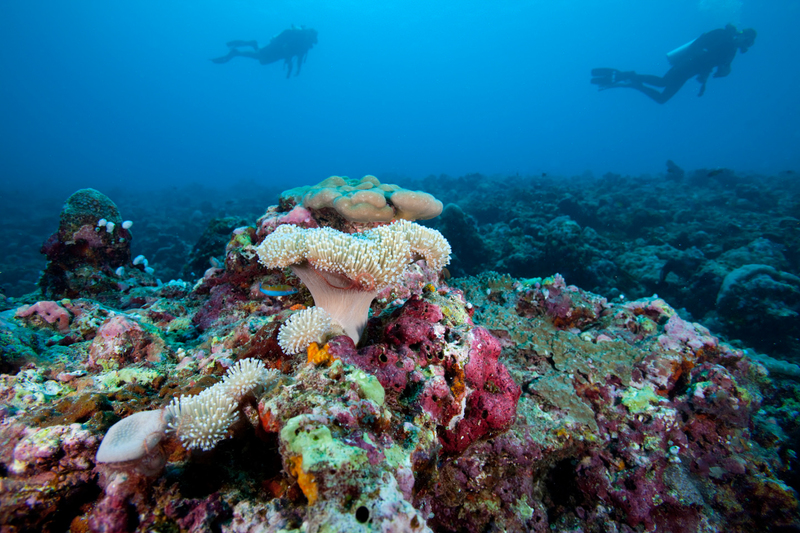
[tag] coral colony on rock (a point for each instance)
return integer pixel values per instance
(326, 374)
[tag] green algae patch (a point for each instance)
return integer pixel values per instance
(307, 437)
(522, 508)
(397, 457)
(638, 400)
(370, 387)
(116, 379)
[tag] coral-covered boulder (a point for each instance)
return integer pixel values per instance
(90, 254)
(460, 383)
(758, 298)
(492, 400)
(121, 341)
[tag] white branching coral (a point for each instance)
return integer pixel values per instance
(303, 328)
(201, 421)
(245, 376)
(345, 271)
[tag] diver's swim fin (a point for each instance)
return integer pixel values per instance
(223, 59)
(603, 72)
(604, 77)
(234, 44)
(607, 78)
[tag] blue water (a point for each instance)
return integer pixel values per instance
(99, 92)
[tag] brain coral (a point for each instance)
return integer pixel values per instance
(366, 200)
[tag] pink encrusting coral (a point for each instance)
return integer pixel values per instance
(50, 312)
(298, 216)
(492, 398)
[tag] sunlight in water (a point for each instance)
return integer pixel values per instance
(729, 10)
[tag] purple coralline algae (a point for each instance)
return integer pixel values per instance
(485, 403)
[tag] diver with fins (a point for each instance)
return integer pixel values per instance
(287, 45)
(715, 49)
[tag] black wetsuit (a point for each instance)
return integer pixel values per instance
(715, 49)
(289, 44)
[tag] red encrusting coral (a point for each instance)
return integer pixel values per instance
(492, 397)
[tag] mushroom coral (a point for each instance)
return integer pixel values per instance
(345, 271)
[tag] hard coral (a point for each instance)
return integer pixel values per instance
(121, 340)
(50, 312)
(83, 255)
(365, 200)
(45, 471)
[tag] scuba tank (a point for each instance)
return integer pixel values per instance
(680, 53)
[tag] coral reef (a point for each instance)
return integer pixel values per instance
(90, 253)
(635, 236)
(478, 403)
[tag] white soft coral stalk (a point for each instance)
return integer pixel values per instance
(347, 302)
(345, 271)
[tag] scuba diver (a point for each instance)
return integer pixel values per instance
(291, 43)
(714, 49)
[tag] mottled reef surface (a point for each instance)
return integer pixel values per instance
(602, 354)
